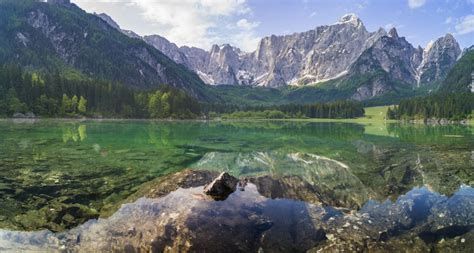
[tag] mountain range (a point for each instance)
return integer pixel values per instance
(339, 61)
(341, 51)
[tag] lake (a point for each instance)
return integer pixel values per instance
(62, 177)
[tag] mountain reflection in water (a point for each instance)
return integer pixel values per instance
(71, 177)
(248, 221)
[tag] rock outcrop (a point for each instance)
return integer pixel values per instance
(438, 58)
(221, 187)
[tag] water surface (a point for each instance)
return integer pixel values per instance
(57, 175)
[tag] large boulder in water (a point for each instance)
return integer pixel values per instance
(221, 187)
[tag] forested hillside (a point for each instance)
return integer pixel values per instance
(65, 39)
(459, 78)
(52, 95)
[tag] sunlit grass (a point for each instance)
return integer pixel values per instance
(374, 120)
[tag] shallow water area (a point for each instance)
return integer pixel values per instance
(76, 177)
(251, 220)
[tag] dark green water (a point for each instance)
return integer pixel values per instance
(58, 174)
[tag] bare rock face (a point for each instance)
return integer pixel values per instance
(391, 62)
(343, 50)
(108, 20)
(167, 48)
(438, 58)
(391, 54)
(221, 187)
(114, 24)
(325, 53)
(317, 55)
(297, 59)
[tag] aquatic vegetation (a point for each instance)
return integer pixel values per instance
(174, 214)
(86, 169)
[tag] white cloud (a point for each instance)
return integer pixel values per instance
(244, 24)
(245, 36)
(465, 25)
(413, 4)
(247, 41)
(198, 23)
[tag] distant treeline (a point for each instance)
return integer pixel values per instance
(451, 106)
(52, 95)
(333, 110)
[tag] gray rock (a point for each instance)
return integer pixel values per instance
(167, 48)
(30, 115)
(438, 58)
(221, 187)
(109, 20)
(18, 115)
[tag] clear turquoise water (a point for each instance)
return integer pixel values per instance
(47, 167)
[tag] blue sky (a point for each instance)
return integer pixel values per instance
(243, 23)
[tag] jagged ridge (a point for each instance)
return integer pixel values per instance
(339, 51)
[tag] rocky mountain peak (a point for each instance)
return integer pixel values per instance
(226, 46)
(159, 39)
(381, 31)
(393, 33)
(448, 41)
(438, 58)
(215, 49)
(108, 20)
(449, 37)
(352, 19)
(166, 47)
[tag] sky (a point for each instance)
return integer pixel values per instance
(242, 23)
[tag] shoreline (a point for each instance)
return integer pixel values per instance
(362, 120)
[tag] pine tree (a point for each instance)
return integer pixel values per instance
(74, 104)
(82, 107)
(66, 105)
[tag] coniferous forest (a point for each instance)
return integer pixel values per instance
(452, 106)
(331, 110)
(51, 95)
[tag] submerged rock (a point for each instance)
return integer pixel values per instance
(221, 187)
(174, 215)
(184, 221)
(328, 176)
(56, 217)
(287, 187)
